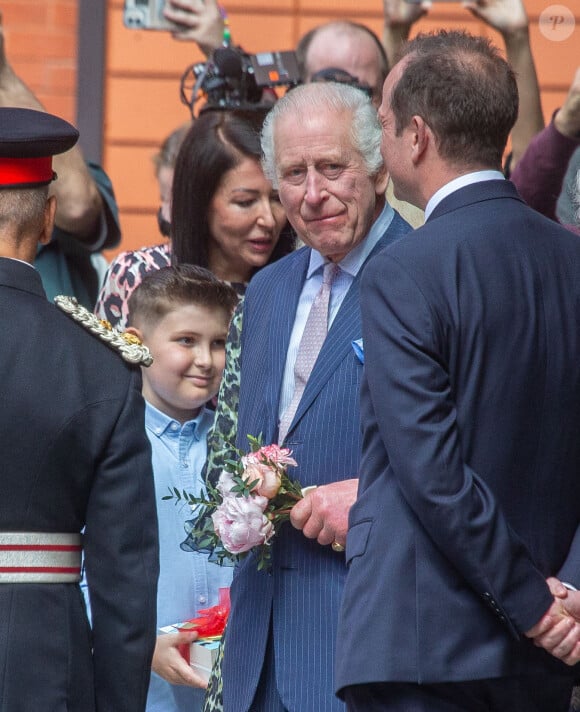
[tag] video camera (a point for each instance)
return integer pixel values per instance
(232, 79)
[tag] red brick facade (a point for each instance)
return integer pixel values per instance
(143, 69)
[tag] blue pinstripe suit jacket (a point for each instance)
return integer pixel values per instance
(301, 594)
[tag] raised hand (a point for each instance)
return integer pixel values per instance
(398, 18)
(202, 20)
(567, 119)
(402, 12)
(505, 16)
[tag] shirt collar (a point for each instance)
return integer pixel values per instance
(22, 262)
(457, 183)
(160, 423)
(356, 258)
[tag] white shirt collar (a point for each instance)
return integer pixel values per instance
(354, 260)
(457, 183)
(22, 262)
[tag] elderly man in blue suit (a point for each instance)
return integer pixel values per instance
(466, 528)
(322, 152)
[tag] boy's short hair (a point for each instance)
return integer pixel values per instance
(169, 287)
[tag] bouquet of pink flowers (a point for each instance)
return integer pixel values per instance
(252, 498)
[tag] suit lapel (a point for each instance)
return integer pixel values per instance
(279, 330)
(345, 328)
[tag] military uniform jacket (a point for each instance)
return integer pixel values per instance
(74, 455)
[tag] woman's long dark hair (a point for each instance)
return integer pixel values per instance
(217, 141)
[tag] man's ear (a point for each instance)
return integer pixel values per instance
(48, 221)
(381, 181)
(422, 138)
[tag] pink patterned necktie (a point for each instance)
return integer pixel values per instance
(315, 331)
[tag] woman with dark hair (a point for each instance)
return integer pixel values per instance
(225, 216)
(220, 215)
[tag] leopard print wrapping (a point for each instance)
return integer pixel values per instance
(214, 697)
(223, 430)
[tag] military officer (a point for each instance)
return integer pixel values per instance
(75, 458)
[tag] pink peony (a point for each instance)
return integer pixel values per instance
(241, 524)
(225, 483)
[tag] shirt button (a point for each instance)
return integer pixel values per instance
(174, 426)
(202, 599)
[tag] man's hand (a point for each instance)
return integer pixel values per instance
(202, 20)
(401, 13)
(323, 513)
(570, 599)
(567, 119)
(398, 18)
(505, 16)
(558, 631)
(169, 664)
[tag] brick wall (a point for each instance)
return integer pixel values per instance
(41, 45)
(143, 70)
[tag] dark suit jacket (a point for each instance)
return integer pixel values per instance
(301, 594)
(469, 491)
(74, 454)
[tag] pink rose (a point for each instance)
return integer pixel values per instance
(241, 524)
(268, 479)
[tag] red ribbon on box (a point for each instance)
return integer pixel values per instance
(210, 624)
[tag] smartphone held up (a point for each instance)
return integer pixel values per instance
(147, 15)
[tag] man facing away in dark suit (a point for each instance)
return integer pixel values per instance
(322, 152)
(466, 526)
(75, 458)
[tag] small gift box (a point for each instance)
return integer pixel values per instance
(200, 654)
(209, 626)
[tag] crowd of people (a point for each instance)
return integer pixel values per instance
(354, 272)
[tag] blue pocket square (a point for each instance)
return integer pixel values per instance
(359, 350)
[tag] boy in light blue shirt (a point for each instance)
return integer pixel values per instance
(182, 314)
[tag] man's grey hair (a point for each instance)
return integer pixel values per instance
(22, 207)
(307, 100)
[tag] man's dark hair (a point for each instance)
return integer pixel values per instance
(167, 288)
(464, 90)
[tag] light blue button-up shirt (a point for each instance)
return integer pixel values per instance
(187, 581)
